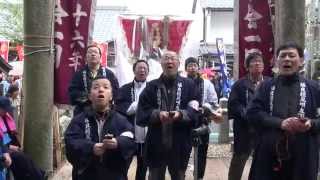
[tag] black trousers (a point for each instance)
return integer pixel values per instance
(23, 168)
(202, 155)
(141, 165)
(237, 164)
(159, 173)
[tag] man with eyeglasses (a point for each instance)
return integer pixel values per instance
(241, 94)
(285, 112)
(81, 81)
(168, 106)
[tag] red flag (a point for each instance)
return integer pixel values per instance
(72, 30)
(255, 33)
(104, 53)
(132, 30)
(20, 52)
(4, 49)
(177, 32)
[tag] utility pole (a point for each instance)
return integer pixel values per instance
(38, 81)
(290, 17)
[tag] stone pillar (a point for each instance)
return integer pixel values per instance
(224, 126)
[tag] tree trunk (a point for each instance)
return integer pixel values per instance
(38, 81)
(290, 17)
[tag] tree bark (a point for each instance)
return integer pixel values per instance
(290, 17)
(38, 81)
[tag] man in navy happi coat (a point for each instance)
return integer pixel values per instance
(285, 111)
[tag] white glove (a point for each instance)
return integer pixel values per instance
(132, 108)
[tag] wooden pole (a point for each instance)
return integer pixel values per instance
(290, 17)
(38, 80)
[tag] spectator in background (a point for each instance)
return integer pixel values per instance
(81, 81)
(13, 95)
(22, 166)
(127, 104)
(5, 83)
(241, 94)
(216, 80)
(208, 98)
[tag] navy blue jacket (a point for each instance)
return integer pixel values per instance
(82, 134)
(148, 115)
(78, 90)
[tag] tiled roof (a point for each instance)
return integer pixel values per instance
(217, 3)
(105, 23)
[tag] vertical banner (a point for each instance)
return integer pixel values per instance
(255, 33)
(104, 53)
(177, 32)
(4, 49)
(223, 66)
(155, 37)
(73, 27)
(132, 30)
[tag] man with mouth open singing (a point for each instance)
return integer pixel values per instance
(285, 112)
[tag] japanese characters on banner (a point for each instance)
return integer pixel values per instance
(4, 49)
(255, 33)
(73, 27)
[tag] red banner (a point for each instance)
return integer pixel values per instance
(4, 49)
(20, 52)
(177, 32)
(72, 30)
(132, 30)
(255, 32)
(155, 37)
(104, 54)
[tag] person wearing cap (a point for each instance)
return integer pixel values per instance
(208, 98)
(168, 106)
(127, 103)
(22, 166)
(99, 141)
(81, 81)
(241, 94)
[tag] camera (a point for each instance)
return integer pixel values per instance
(202, 130)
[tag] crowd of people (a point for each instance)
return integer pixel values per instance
(275, 119)
(12, 159)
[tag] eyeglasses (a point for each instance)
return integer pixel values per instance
(167, 58)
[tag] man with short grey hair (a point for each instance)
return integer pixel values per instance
(168, 106)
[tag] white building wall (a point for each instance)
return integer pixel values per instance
(220, 25)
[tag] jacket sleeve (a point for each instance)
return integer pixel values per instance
(236, 108)
(190, 114)
(77, 93)
(148, 111)
(79, 150)
(126, 144)
(212, 94)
